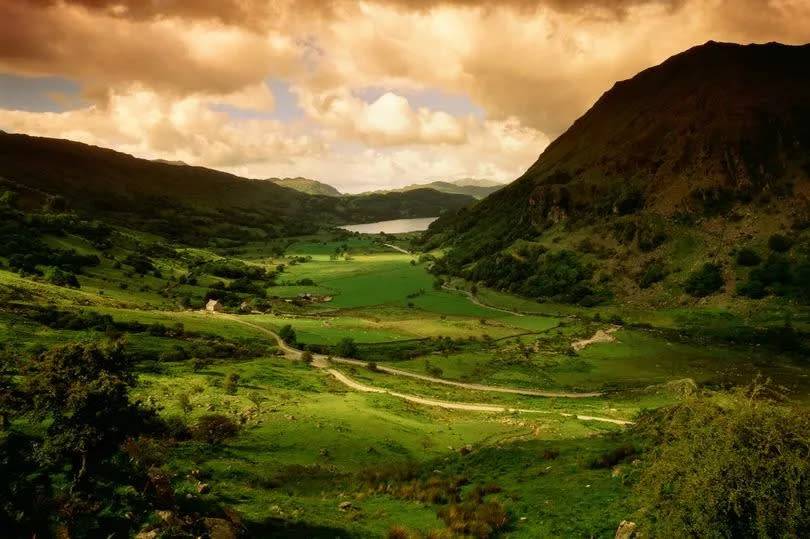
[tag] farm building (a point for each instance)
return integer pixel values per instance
(213, 306)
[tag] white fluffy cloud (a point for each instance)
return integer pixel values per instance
(140, 121)
(150, 72)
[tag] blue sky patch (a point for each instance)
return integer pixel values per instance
(39, 94)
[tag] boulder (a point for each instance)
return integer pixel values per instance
(626, 530)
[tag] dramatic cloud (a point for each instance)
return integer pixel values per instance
(189, 80)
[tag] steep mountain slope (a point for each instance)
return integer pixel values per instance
(714, 138)
(305, 185)
(185, 202)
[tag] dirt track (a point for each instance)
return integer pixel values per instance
(321, 362)
(478, 302)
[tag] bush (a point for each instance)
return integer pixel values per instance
(654, 273)
(705, 281)
(736, 470)
(287, 334)
(231, 383)
(612, 458)
(215, 428)
(779, 243)
(752, 289)
(475, 519)
(346, 348)
(61, 278)
(747, 257)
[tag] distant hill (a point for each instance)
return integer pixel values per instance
(305, 185)
(170, 162)
(679, 166)
(188, 203)
(471, 187)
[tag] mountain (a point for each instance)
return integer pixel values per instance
(187, 203)
(674, 168)
(471, 187)
(170, 162)
(305, 185)
(477, 182)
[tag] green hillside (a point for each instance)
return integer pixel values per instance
(305, 185)
(191, 204)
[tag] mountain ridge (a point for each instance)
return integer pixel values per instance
(307, 185)
(171, 199)
(713, 141)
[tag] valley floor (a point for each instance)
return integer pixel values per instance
(510, 400)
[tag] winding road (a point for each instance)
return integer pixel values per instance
(400, 249)
(478, 302)
(321, 362)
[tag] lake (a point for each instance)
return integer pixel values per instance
(397, 226)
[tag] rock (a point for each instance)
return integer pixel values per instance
(219, 528)
(323, 452)
(165, 516)
(150, 534)
(626, 530)
(345, 506)
(203, 488)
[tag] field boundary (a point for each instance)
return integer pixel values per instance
(323, 362)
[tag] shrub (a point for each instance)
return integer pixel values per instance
(612, 458)
(306, 357)
(287, 334)
(346, 348)
(747, 257)
(752, 289)
(705, 281)
(157, 330)
(740, 470)
(477, 520)
(779, 243)
(62, 278)
(231, 383)
(654, 273)
(215, 428)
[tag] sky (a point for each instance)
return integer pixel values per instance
(360, 94)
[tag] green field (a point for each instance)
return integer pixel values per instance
(309, 443)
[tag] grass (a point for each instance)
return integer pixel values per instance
(304, 451)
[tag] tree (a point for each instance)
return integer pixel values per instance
(705, 281)
(184, 402)
(346, 348)
(215, 428)
(747, 257)
(287, 334)
(257, 399)
(736, 469)
(83, 390)
(231, 383)
(62, 278)
(779, 243)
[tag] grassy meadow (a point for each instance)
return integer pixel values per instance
(315, 458)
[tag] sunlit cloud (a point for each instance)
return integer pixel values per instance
(362, 94)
